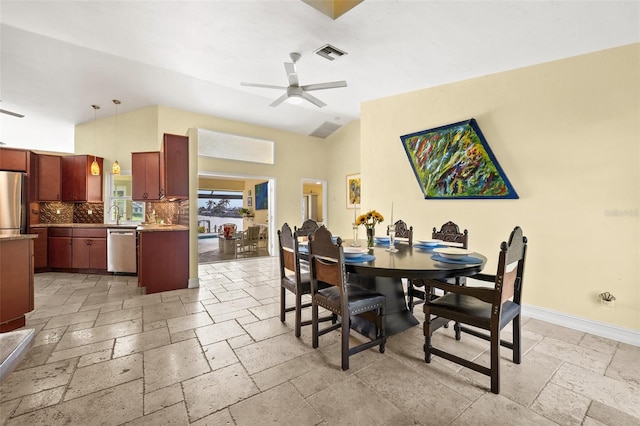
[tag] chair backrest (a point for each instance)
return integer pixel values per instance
(288, 247)
(326, 262)
(228, 230)
(309, 226)
(450, 233)
(511, 267)
(253, 233)
(403, 231)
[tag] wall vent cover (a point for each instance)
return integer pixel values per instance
(325, 129)
(330, 52)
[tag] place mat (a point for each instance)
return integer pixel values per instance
(360, 259)
(468, 260)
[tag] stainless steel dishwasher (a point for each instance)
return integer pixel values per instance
(121, 250)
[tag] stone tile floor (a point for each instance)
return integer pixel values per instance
(105, 354)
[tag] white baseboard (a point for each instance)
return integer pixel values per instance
(193, 283)
(613, 332)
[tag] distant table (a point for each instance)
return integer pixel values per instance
(384, 275)
(229, 245)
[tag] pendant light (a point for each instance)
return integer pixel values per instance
(95, 167)
(115, 169)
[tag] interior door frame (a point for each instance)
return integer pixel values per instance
(323, 183)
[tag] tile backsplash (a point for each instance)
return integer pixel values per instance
(59, 212)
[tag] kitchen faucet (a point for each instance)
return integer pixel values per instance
(117, 213)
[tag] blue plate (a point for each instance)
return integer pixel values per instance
(426, 247)
(469, 260)
(360, 259)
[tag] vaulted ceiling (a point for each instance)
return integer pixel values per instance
(59, 57)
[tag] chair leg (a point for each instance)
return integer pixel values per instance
(410, 295)
(314, 325)
(381, 331)
(283, 303)
(427, 337)
(345, 343)
(516, 340)
(298, 314)
(458, 330)
(495, 360)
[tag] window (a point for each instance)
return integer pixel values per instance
(120, 196)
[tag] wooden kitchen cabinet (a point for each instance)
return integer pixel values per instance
(60, 247)
(163, 260)
(16, 282)
(14, 160)
(40, 245)
(175, 164)
(49, 179)
(145, 176)
(89, 248)
(78, 184)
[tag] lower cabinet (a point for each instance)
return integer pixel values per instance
(78, 248)
(40, 247)
(16, 282)
(89, 249)
(163, 260)
(60, 247)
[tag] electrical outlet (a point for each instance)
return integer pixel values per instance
(89, 211)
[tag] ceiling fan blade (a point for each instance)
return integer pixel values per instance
(317, 102)
(15, 114)
(320, 86)
(292, 75)
(265, 86)
(278, 101)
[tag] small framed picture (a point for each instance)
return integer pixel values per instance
(249, 201)
(353, 191)
(249, 193)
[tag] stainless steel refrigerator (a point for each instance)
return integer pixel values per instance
(13, 203)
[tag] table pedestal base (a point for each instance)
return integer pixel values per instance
(396, 314)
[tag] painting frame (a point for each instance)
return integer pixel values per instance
(262, 196)
(249, 201)
(353, 190)
(455, 161)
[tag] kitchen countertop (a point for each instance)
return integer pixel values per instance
(83, 225)
(142, 227)
(17, 237)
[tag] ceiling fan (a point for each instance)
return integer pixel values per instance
(294, 90)
(15, 114)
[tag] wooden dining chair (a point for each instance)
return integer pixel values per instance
(403, 231)
(487, 308)
(292, 279)
(309, 226)
(450, 233)
(326, 261)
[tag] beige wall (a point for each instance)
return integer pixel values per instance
(567, 135)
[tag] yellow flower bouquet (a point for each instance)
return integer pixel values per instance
(370, 219)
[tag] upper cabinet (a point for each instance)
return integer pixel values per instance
(49, 181)
(14, 160)
(175, 152)
(78, 184)
(145, 174)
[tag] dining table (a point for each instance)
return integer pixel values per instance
(382, 271)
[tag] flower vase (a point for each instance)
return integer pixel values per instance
(370, 233)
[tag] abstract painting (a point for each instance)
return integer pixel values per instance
(353, 191)
(262, 196)
(456, 162)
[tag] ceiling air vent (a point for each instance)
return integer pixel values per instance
(330, 52)
(325, 129)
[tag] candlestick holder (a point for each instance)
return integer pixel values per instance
(355, 242)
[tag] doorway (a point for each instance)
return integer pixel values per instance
(314, 200)
(213, 249)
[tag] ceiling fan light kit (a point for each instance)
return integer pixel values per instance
(295, 93)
